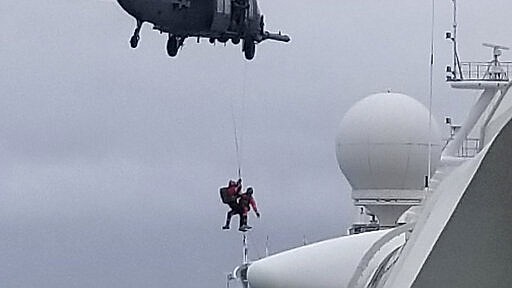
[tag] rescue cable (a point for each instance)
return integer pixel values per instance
(237, 136)
(241, 271)
(237, 146)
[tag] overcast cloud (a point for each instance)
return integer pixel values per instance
(111, 158)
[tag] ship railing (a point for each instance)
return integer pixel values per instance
(480, 71)
(366, 275)
(384, 267)
(469, 148)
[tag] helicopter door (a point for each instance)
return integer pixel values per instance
(222, 16)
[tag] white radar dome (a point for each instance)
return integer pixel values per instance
(382, 143)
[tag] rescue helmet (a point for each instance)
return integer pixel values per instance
(249, 190)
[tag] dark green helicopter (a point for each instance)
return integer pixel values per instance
(217, 20)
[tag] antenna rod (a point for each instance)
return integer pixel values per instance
(431, 76)
(456, 61)
(245, 249)
(454, 34)
(266, 247)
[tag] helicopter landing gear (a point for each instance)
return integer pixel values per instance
(173, 45)
(134, 41)
(249, 48)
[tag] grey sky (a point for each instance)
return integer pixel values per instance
(111, 158)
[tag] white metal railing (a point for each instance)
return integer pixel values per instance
(481, 71)
(384, 267)
(362, 275)
(468, 149)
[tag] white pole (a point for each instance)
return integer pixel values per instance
(266, 247)
(431, 76)
(245, 248)
(475, 113)
(455, 35)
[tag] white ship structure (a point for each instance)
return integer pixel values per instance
(439, 209)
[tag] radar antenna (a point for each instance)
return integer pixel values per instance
(494, 69)
(496, 50)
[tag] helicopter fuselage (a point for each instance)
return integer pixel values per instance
(218, 20)
(191, 17)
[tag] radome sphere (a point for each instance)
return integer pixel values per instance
(383, 140)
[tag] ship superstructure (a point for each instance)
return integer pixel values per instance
(438, 225)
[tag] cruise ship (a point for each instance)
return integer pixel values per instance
(437, 209)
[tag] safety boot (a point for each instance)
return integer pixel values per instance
(243, 223)
(226, 227)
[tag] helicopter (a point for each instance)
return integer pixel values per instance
(218, 20)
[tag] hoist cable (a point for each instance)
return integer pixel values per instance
(237, 146)
(238, 132)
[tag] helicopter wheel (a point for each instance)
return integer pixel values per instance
(249, 49)
(172, 46)
(134, 41)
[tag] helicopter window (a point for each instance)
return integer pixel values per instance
(224, 6)
(227, 7)
(220, 6)
(251, 9)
